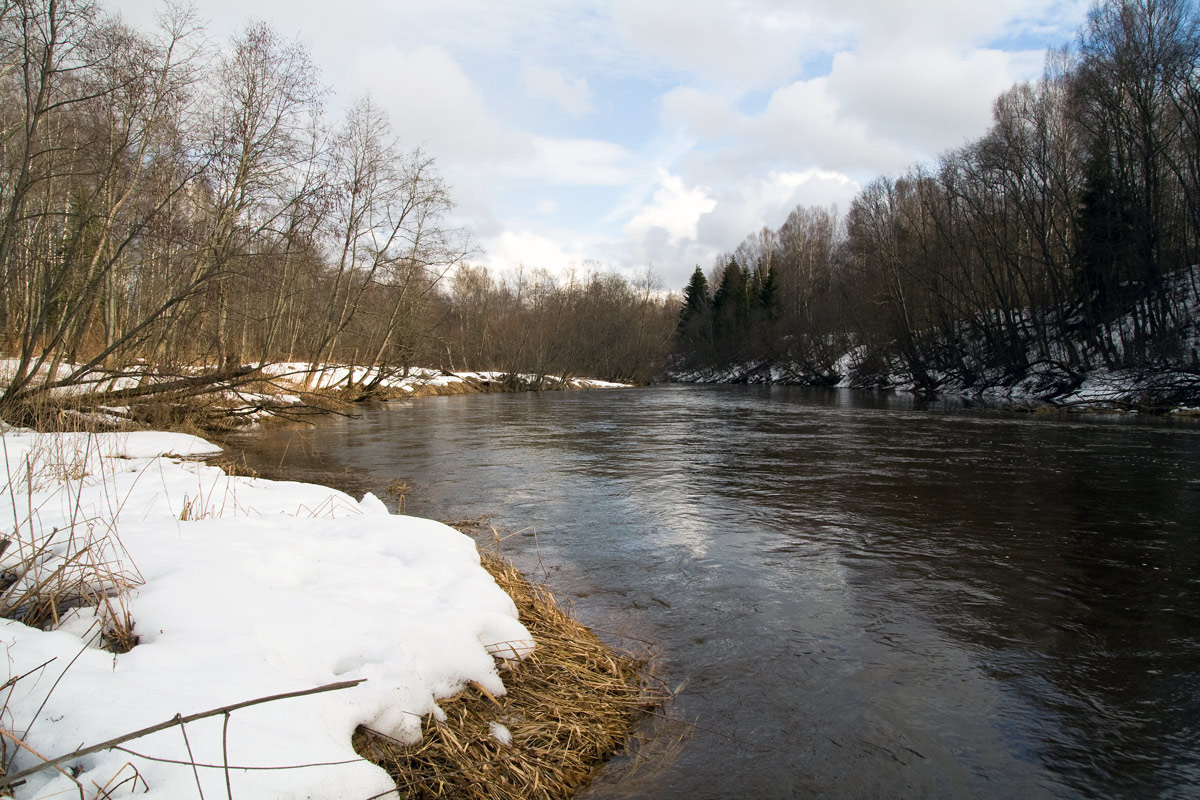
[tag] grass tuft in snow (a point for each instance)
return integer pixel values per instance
(77, 569)
(569, 706)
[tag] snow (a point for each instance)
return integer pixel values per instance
(245, 588)
(500, 733)
(283, 383)
(328, 376)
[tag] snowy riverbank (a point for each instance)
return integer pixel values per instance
(236, 589)
(1066, 365)
(1171, 391)
(207, 397)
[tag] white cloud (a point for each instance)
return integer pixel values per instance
(802, 126)
(517, 248)
(780, 192)
(806, 121)
(766, 201)
(701, 114)
(674, 212)
(572, 95)
(433, 103)
(924, 100)
(956, 25)
(729, 42)
(873, 113)
(579, 162)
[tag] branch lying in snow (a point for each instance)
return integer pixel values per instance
(10, 780)
(238, 767)
(180, 387)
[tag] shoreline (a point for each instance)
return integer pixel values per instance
(1099, 393)
(146, 398)
(144, 609)
(569, 708)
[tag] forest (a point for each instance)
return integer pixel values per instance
(192, 208)
(1062, 242)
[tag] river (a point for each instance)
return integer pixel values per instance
(862, 596)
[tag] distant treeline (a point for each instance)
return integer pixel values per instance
(597, 325)
(192, 207)
(1061, 241)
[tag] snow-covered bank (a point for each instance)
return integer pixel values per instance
(1173, 391)
(1064, 360)
(418, 379)
(243, 588)
(211, 397)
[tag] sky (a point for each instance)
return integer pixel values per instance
(626, 134)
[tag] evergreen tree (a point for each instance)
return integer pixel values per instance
(694, 330)
(696, 301)
(747, 293)
(1103, 235)
(768, 297)
(729, 291)
(730, 309)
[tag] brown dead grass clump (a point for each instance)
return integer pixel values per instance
(570, 705)
(232, 465)
(464, 386)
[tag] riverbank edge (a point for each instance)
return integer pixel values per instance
(569, 708)
(1173, 393)
(576, 698)
(334, 399)
(144, 398)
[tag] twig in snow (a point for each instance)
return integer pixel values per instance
(191, 757)
(176, 720)
(238, 767)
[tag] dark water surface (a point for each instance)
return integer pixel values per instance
(866, 598)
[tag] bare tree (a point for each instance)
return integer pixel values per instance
(87, 170)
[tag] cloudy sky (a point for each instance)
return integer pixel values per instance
(660, 132)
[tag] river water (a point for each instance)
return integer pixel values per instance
(861, 596)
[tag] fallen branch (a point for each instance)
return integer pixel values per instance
(9, 780)
(181, 387)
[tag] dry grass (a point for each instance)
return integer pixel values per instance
(50, 572)
(231, 465)
(398, 490)
(570, 706)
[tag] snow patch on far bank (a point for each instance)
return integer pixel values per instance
(333, 376)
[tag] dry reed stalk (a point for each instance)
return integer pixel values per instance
(569, 707)
(82, 564)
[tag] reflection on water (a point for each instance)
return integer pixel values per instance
(867, 597)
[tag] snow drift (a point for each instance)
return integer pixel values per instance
(244, 588)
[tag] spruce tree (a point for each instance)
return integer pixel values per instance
(728, 314)
(768, 297)
(745, 298)
(1103, 234)
(694, 331)
(696, 300)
